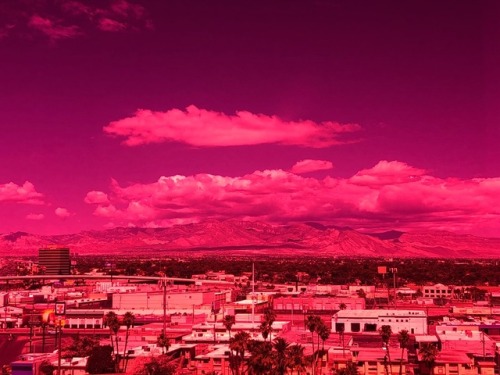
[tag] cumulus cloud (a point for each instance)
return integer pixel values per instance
(96, 197)
(204, 128)
(25, 193)
(410, 200)
(62, 212)
(33, 216)
(387, 173)
(309, 165)
(69, 19)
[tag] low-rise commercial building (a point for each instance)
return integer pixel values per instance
(355, 321)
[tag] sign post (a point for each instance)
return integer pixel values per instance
(59, 311)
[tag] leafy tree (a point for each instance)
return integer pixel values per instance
(46, 368)
(163, 342)
(404, 339)
(156, 366)
(428, 354)
(342, 306)
(80, 347)
(385, 334)
(100, 360)
(361, 293)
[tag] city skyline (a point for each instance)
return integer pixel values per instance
(372, 115)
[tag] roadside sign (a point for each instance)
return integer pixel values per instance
(60, 308)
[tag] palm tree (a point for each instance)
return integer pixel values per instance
(262, 358)
(238, 345)
(324, 334)
(111, 320)
(265, 330)
(340, 330)
(404, 339)
(385, 333)
(312, 323)
(266, 326)
(281, 346)
(163, 342)
(128, 320)
(296, 358)
(229, 321)
(428, 353)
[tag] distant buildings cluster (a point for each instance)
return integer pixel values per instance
(192, 312)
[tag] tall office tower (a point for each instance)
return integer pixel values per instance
(54, 261)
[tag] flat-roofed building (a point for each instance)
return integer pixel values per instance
(352, 321)
(54, 260)
(437, 291)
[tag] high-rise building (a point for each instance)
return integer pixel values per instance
(54, 261)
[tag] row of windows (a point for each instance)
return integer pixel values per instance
(397, 320)
(437, 291)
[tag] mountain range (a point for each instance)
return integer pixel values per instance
(233, 237)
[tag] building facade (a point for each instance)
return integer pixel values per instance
(354, 321)
(54, 261)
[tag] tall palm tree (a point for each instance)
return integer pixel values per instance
(264, 330)
(312, 323)
(229, 321)
(280, 345)
(238, 345)
(428, 354)
(266, 327)
(128, 320)
(297, 358)
(324, 334)
(404, 339)
(385, 333)
(111, 320)
(340, 330)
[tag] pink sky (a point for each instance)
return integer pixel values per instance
(372, 115)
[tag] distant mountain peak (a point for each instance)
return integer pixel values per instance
(248, 237)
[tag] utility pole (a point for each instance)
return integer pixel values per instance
(163, 284)
(253, 298)
(394, 272)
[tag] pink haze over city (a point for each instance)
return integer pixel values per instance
(374, 115)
